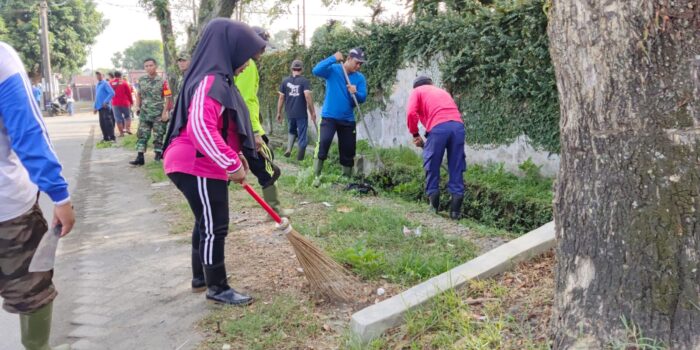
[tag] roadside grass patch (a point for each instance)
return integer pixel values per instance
(129, 142)
(104, 144)
(283, 323)
(155, 171)
(511, 312)
(370, 239)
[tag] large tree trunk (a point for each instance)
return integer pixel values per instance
(208, 10)
(163, 14)
(627, 207)
(160, 9)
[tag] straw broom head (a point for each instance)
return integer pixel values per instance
(323, 273)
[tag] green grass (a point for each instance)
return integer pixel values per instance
(155, 171)
(449, 322)
(104, 144)
(283, 323)
(128, 142)
(370, 239)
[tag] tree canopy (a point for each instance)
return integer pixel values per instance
(133, 56)
(73, 27)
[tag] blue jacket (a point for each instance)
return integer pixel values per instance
(27, 158)
(338, 103)
(103, 94)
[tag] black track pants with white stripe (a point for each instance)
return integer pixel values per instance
(208, 200)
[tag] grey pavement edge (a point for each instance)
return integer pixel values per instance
(372, 321)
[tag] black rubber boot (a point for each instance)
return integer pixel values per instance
(318, 166)
(435, 201)
(139, 160)
(291, 138)
(158, 157)
(198, 282)
(301, 153)
(456, 207)
(218, 290)
(347, 171)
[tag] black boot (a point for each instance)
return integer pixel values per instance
(456, 207)
(139, 160)
(435, 201)
(218, 289)
(198, 282)
(158, 157)
(301, 154)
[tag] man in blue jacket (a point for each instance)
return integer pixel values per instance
(103, 106)
(337, 115)
(28, 165)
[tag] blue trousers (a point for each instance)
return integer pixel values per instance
(446, 136)
(298, 126)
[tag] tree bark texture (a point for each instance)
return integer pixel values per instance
(163, 14)
(627, 198)
(160, 9)
(208, 10)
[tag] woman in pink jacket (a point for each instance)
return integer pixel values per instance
(204, 145)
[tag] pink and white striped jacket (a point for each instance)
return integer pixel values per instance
(200, 149)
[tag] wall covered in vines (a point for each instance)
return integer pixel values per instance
(494, 60)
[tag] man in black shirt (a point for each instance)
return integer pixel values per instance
(295, 93)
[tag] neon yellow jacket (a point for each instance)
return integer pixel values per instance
(247, 83)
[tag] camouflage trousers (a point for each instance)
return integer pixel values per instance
(23, 291)
(144, 133)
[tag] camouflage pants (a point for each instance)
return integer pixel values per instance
(144, 133)
(23, 291)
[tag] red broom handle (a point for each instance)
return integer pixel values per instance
(262, 203)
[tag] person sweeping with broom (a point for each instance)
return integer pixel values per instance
(438, 112)
(337, 115)
(205, 143)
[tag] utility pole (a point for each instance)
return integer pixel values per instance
(45, 48)
(298, 23)
(303, 16)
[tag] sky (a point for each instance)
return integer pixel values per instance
(128, 22)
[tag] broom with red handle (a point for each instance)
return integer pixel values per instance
(324, 274)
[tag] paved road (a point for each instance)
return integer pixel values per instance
(122, 279)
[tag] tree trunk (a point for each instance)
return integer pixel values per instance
(163, 15)
(160, 9)
(208, 10)
(627, 203)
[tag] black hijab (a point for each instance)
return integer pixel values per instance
(224, 46)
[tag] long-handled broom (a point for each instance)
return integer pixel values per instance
(380, 164)
(324, 274)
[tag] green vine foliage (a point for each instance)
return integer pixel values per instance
(494, 60)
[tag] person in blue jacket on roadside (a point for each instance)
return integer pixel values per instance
(28, 164)
(337, 115)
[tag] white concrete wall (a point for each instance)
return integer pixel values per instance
(387, 128)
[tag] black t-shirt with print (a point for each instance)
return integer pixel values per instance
(294, 100)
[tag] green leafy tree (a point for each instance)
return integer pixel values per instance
(73, 27)
(133, 56)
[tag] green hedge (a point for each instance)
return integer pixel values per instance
(494, 60)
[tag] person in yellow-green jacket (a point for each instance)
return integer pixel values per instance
(260, 164)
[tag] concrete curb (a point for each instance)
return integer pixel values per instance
(372, 321)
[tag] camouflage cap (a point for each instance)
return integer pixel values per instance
(183, 56)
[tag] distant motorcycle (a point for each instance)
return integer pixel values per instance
(58, 105)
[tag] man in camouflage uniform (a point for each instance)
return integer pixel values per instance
(153, 102)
